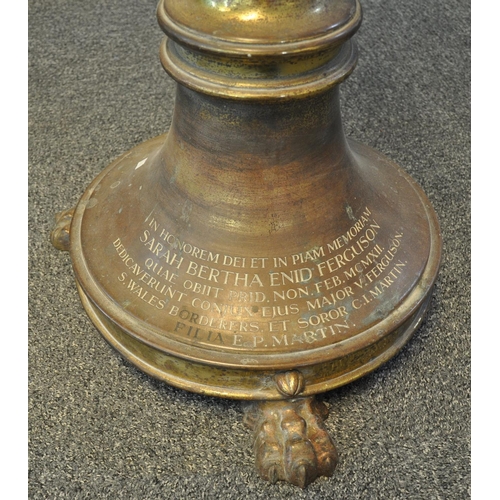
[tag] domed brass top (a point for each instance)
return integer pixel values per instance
(258, 49)
(259, 27)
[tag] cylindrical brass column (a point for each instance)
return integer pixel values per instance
(253, 252)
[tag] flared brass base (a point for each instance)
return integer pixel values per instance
(253, 252)
(300, 371)
(178, 356)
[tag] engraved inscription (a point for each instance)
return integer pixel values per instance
(299, 299)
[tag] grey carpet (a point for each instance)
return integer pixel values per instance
(99, 428)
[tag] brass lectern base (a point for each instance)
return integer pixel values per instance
(253, 252)
(279, 371)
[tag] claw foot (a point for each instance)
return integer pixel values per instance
(59, 236)
(291, 443)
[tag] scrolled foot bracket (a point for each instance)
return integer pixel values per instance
(291, 443)
(60, 235)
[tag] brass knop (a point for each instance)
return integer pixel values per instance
(290, 383)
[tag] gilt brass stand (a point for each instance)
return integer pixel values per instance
(253, 252)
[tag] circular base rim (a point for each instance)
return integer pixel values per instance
(237, 376)
(249, 384)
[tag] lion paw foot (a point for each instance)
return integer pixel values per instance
(291, 442)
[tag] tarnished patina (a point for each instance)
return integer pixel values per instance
(253, 252)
